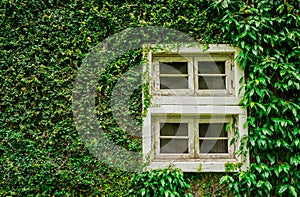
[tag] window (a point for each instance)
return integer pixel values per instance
(194, 113)
(208, 74)
(173, 75)
(192, 136)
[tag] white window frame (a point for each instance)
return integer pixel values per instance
(208, 162)
(190, 104)
(156, 75)
(229, 74)
(193, 136)
(231, 148)
(156, 132)
(191, 55)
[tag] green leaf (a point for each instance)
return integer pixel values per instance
(252, 35)
(261, 106)
(293, 191)
(241, 35)
(268, 185)
(257, 159)
(282, 72)
(260, 183)
(282, 189)
(280, 8)
(143, 192)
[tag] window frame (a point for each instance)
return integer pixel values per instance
(156, 75)
(220, 52)
(194, 103)
(209, 163)
(229, 72)
(193, 136)
(156, 132)
(230, 135)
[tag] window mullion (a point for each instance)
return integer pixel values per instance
(229, 69)
(196, 137)
(191, 143)
(191, 75)
(157, 137)
(232, 147)
(195, 75)
(156, 76)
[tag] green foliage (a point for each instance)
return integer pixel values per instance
(109, 105)
(43, 44)
(207, 184)
(229, 167)
(268, 34)
(165, 182)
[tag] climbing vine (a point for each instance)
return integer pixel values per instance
(268, 34)
(43, 44)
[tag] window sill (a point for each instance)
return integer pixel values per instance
(199, 166)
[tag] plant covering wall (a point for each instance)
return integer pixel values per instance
(43, 43)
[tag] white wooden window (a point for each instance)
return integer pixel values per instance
(214, 74)
(173, 75)
(195, 95)
(193, 136)
(193, 71)
(193, 75)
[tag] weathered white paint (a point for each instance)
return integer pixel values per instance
(194, 110)
(198, 49)
(194, 100)
(194, 106)
(194, 166)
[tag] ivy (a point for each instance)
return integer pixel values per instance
(165, 182)
(43, 44)
(267, 33)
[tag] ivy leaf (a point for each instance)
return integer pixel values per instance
(268, 185)
(260, 183)
(293, 191)
(261, 106)
(282, 189)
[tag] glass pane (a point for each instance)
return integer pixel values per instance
(173, 145)
(173, 82)
(211, 67)
(211, 82)
(173, 68)
(212, 130)
(213, 146)
(173, 129)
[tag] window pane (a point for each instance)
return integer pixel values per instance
(173, 68)
(173, 145)
(173, 83)
(212, 130)
(211, 82)
(173, 129)
(211, 67)
(213, 146)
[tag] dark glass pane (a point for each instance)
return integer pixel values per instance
(213, 146)
(173, 129)
(212, 130)
(173, 68)
(211, 67)
(173, 145)
(173, 83)
(211, 82)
